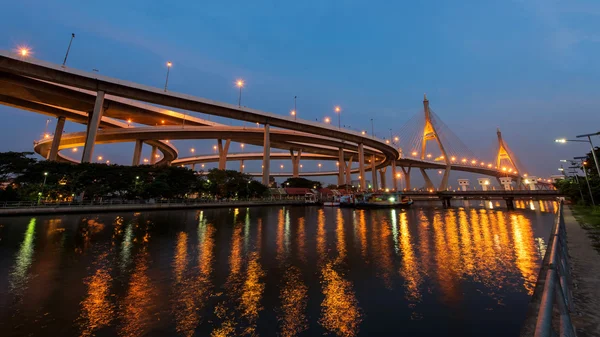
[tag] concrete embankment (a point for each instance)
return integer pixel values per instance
(67, 209)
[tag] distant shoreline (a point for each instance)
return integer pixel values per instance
(71, 209)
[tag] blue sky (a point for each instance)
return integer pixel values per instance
(528, 67)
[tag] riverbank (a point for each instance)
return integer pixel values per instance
(105, 208)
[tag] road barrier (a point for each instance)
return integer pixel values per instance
(557, 298)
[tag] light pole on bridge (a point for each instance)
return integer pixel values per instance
(169, 64)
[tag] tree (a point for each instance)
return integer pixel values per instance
(301, 182)
(13, 164)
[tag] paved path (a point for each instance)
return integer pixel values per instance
(585, 262)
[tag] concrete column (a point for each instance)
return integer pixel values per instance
(223, 153)
(348, 168)
(444, 183)
(92, 128)
(361, 166)
(60, 125)
(241, 166)
(295, 163)
(374, 174)
(137, 152)
(341, 166)
(428, 183)
(266, 156)
(407, 176)
(382, 177)
(394, 178)
(193, 167)
(153, 155)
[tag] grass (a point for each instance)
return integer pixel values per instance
(587, 215)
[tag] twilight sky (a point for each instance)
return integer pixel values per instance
(528, 67)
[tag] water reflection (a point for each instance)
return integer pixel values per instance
(24, 258)
(340, 313)
(275, 271)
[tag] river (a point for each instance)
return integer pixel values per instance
(273, 271)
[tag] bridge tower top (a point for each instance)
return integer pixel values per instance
(430, 132)
(505, 154)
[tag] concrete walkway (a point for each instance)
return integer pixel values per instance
(585, 264)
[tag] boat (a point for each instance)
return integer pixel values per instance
(311, 199)
(380, 200)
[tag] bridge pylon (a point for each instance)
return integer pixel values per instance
(505, 154)
(430, 133)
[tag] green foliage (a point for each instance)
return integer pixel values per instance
(301, 182)
(63, 180)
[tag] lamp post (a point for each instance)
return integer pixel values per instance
(589, 141)
(582, 159)
(372, 129)
(240, 84)
(295, 112)
(68, 49)
(589, 137)
(43, 185)
(338, 111)
(169, 64)
(574, 172)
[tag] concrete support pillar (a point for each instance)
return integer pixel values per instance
(60, 125)
(153, 155)
(92, 128)
(340, 166)
(361, 167)
(295, 163)
(241, 166)
(394, 176)
(428, 183)
(374, 174)
(348, 169)
(137, 152)
(223, 153)
(193, 167)
(382, 177)
(444, 183)
(266, 156)
(407, 176)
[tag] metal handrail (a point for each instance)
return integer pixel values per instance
(557, 295)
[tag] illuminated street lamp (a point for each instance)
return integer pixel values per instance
(99, 158)
(146, 160)
(338, 111)
(215, 148)
(169, 65)
(192, 150)
(24, 52)
(242, 146)
(74, 149)
(589, 140)
(240, 84)
(43, 185)
(319, 167)
(327, 120)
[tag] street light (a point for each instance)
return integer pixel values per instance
(338, 111)
(192, 150)
(240, 84)
(68, 49)
(583, 163)
(24, 51)
(589, 137)
(43, 185)
(99, 158)
(169, 64)
(327, 120)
